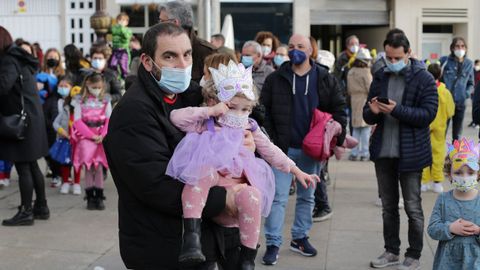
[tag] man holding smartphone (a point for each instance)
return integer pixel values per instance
(402, 102)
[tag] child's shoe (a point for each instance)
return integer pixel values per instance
(6, 182)
(90, 197)
(99, 198)
(65, 188)
(437, 187)
(191, 253)
(77, 189)
(56, 182)
(247, 258)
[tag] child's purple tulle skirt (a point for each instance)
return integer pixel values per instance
(201, 155)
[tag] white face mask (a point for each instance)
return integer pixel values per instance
(232, 120)
(354, 48)
(98, 64)
(266, 50)
(459, 53)
(464, 183)
(477, 68)
(95, 91)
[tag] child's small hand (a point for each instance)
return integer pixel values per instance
(218, 109)
(99, 139)
(230, 205)
(459, 228)
(307, 180)
(470, 227)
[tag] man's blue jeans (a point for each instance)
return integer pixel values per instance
(304, 204)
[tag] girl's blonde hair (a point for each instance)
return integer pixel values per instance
(93, 77)
(209, 91)
(58, 70)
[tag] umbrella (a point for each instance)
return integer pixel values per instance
(227, 32)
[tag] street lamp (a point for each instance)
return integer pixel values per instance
(100, 21)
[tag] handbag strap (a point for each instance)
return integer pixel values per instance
(21, 95)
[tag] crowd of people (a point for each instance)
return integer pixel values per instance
(202, 141)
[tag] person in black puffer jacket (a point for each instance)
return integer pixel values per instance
(290, 95)
(17, 68)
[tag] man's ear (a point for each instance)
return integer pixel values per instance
(147, 62)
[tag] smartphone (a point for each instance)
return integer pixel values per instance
(383, 100)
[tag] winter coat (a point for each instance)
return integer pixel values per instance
(277, 97)
(358, 85)
(200, 49)
(459, 82)
(14, 62)
(139, 144)
(113, 87)
(260, 73)
(415, 113)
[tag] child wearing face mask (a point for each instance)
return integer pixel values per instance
(92, 112)
(63, 125)
(456, 214)
(212, 154)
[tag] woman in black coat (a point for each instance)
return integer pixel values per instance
(16, 63)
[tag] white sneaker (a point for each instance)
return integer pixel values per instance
(2, 183)
(56, 182)
(437, 187)
(378, 202)
(65, 188)
(6, 182)
(77, 189)
(425, 187)
(400, 203)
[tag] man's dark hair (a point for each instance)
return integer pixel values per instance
(396, 38)
(219, 37)
(160, 29)
(454, 42)
(436, 70)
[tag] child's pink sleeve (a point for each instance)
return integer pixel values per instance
(82, 129)
(190, 119)
(271, 153)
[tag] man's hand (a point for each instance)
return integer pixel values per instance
(248, 141)
(230, 206)
(386, 108)
(373, 104)
(218, 110)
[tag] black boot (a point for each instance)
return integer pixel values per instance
(23, 217)
(40, 210)
(191, 253)
(90, 197)
(247, 258)
(99, 198)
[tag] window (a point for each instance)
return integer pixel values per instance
(73, 37)
(81, 37)
(80, 23)
(92, 37)
(136, 13)
(90, 5)
(72, 5)
(153, 15)
(72, 23)
(81, 5)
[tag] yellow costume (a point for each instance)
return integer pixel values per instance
(446, 109)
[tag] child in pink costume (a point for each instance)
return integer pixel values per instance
(91, 115)
(212, 154)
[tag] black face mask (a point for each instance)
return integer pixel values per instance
(51, 63)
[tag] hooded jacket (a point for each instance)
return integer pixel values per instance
(415, 113)
(277, 97)
(13, 63)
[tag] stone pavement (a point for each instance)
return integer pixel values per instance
(75, 238)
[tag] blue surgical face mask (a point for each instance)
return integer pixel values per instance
(278, 60)
(247, 61)
(63, 91)
(397, 67)
(297, 57)
(174, 80)
(98, 64)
